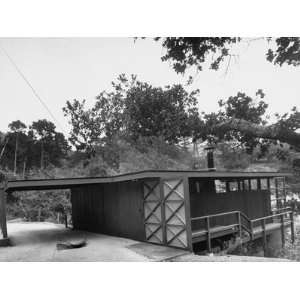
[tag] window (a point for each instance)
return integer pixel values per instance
(264, 184)
(246, 185)
(253, 184)
(220, 186)
(233, 186)
(198, 186)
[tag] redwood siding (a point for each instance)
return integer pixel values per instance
(254, 204)
(110, 208)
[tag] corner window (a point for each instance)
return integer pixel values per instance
(220, 186)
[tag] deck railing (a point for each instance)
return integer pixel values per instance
(244, 223)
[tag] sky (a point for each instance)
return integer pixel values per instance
(62, 69)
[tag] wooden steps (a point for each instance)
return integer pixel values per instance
(215, 232)
(219, 231)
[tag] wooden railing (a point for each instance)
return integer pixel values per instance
(244, 223)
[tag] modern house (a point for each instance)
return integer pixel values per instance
(173, 208)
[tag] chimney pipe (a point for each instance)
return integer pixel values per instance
(210, 158)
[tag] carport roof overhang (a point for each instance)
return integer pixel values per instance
(67, 183)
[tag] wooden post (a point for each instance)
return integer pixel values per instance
(163, 208)
(284, 192)
(208, 235)
(292, 227)
(240, 224)
(3, 213)
(264, 235)
(278, 203)
(282, 230)
(66, 220)
(258, 184)
(188, 223)
(227, 187)
(251, 229)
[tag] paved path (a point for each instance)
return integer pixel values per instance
(37, 242)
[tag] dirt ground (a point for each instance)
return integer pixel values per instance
(37, 242)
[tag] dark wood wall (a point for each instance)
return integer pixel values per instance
(110, 208)
(254, 204)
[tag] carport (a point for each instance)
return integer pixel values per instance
(170, 208)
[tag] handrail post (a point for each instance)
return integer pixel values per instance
(240, 225)
(208, 234)
(251, 229)
(282, 230)
(292, 227)
(263, 221)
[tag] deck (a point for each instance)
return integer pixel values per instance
(245, 228)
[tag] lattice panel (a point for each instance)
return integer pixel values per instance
(174, 208)
(153, 212)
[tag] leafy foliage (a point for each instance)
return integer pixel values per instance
(243, 107)
(287, 51)
(184, 52)
(41, 142)
(134, 109)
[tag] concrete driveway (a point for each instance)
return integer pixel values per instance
(34, 241)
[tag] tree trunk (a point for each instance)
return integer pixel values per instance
(24, 167)
(3, 149)
(16, 153)
(272, 132)
(42, 155)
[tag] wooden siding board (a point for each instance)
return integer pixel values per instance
(254, 204)
(114, 209)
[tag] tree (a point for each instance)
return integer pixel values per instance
(134, 109)
(243, 119)
(184, 52)
(87, 125)
(16, 128)
(53, 145)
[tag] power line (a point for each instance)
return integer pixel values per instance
(31, 87)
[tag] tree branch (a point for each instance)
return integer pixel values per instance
(272, 132)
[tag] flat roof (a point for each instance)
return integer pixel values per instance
(66, 183)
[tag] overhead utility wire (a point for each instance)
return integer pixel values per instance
(31, 87)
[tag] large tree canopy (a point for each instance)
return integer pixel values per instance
(184, 52)
(243, 119)
(238, 120)
(25, 148)
(134, 109)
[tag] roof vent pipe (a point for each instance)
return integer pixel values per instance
(210, 158)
